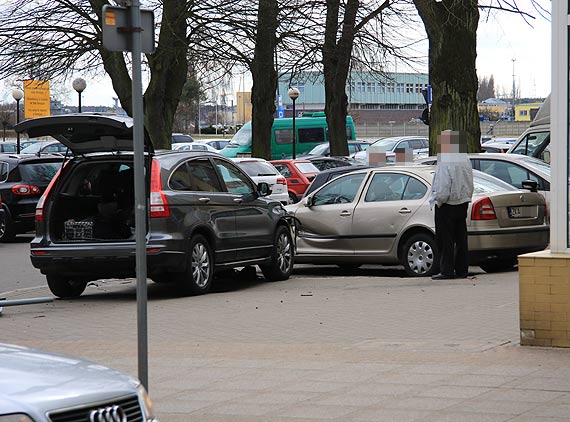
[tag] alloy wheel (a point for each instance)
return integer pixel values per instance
(284, 255)
(200, 265)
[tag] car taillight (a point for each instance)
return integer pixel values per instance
(158, 202)
(25, 190)
(281, 181)
(483, 209)
(40, 205)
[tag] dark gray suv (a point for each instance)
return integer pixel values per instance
(205, 214)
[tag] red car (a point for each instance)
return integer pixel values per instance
(299, 174)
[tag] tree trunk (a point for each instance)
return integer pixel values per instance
(264, 79)
(336, 64)
(451, 27)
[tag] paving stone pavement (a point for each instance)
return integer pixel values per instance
(324, 346)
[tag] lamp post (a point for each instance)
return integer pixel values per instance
(17, 94)
(294, 94)
(79, 85)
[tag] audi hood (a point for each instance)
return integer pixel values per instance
(85, 133)
(35, 382)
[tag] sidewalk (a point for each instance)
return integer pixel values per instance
(371, 347)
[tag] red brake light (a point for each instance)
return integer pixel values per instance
(483, 209)
(158, 202)
(282, 181)
(25, 190)
(42, 200)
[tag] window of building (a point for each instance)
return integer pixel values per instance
(390, 87)
(409, 88)
(371, 87)
(523, 112)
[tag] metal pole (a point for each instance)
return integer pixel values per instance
(79, 108)
(140, 195)
(294, 131)
(17, 121)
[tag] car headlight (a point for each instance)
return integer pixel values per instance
(146, 404)
(16, 417)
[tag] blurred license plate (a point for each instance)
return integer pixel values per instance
(519, 212)
(244, 154)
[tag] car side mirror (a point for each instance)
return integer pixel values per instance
(307, 201)
(263, 189)
(531, 185)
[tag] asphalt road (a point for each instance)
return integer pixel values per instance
(16, 270)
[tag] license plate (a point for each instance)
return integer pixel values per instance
(515, 212)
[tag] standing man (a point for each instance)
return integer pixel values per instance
(451, 193)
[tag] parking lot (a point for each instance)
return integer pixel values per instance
(366, 345)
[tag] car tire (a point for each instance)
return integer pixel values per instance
(197, 279)
(498, 265)
(420, 256)
(65, 287)
(7, 232)
(282, 256)
(292, 198)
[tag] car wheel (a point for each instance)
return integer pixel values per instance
(282, 256)
(420, 257)
(292, 198)
(498, 265)
(199, 267)
(7, 232)
(65, 287)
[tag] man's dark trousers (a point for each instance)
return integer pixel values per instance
(451, 238)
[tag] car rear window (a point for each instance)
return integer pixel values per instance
(306, 168)
(38, 172)
(258, 168)
(484, 184)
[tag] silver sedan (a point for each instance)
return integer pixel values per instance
(382, 216)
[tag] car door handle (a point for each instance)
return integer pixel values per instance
(404, 211)
(238, 200)
(345, 213)
(204, 200)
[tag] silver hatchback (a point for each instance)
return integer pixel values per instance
(382, 216)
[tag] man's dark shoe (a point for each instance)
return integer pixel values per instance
(462, 275)
(442, 277)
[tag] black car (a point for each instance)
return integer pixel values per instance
(205, 214)
(325, 163)
(23, 179)
(324, 176)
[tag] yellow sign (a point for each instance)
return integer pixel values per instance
(110, 18)
(36, 99)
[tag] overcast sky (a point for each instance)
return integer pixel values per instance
(501, 38)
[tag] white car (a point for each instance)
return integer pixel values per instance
(418, 144)
(38, 386)
(193, 146)
(261, 170)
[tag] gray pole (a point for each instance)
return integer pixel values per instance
(140, 195)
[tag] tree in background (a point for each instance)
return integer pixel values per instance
(486, 88)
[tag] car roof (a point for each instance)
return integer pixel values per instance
(15, 158)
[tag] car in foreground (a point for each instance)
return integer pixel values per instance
(193, 146)
(513, 169)
(419, 145)
(39, 386)
(261, 170)
(299, 174)
(205, 214)
(324, 176)
(23, 179)
(381, 215)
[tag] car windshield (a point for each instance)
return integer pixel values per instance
(39, 172)
(32, 149)
(484, 184)
(258, 168)
(242, 137)
(387, 143)
(321, 149)
(306, 168)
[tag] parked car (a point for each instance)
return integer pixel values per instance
(194, 146)
(324, 176)
(382, 216)
(513, 169)
(23, 179)
(325, 163)
(418, 144)
(535, 141)
(299, 174)
(219, 144)
(324, 149)
(39, 386)
(9, 147)
(46, 147)
(181, 137)
(205, 213)
(496, 146)
(261, 170)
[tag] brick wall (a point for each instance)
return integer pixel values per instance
(544, 287)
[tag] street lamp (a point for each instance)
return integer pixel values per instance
(294, 94)
(17, 94)
(79, 85)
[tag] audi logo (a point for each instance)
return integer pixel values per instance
(108, 414)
